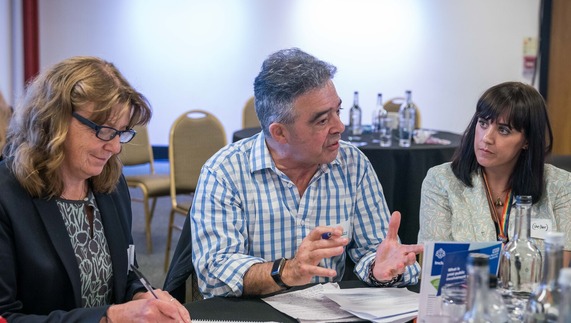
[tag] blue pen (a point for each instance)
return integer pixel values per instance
(326, 235)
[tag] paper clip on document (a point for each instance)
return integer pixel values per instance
(144, 280)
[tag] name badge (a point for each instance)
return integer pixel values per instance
(346, 228)
(540, 227)
(130, 257)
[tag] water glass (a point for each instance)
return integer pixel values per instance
(385, 132)
(453, 300)
(515, 303)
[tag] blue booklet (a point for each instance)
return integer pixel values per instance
(453, 268)
(445, 263)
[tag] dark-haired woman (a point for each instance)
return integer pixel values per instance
(502, 155)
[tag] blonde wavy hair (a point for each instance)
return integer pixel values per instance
(36, 135)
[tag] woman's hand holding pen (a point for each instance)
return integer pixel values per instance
(155, 305)
(146, 308)
(320, 243)
(169, 302)
(393, 257)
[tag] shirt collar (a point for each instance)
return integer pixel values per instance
(260, 157)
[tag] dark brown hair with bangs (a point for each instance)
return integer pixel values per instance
(524, 110)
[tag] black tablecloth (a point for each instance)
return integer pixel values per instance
(400, 170)
(249, 309)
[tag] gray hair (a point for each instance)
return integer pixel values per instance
(285, 75)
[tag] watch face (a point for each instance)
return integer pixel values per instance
(277, 270)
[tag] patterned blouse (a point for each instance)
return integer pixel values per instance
(91, 250)
(452, 211)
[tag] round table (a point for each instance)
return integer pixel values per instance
(400, 171)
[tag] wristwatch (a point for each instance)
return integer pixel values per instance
(381, 283)
(277, 270)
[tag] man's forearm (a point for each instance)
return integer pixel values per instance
(258, 281)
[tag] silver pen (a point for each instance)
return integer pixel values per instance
(143, 280)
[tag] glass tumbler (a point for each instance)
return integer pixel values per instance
(453, 300)
(385, 132)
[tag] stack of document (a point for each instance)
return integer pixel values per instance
(329, 303)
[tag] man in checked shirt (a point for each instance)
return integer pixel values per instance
(280, 208)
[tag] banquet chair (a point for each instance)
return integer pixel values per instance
(249, 116)
(194, 137)
(152, 185)
(393, 105)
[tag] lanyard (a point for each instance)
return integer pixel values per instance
(501, 221)
(505, 217)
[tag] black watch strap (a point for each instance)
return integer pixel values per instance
(378, 283)
(277, 270)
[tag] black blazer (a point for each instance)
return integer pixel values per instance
(38, 269)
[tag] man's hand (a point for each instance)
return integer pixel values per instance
(315, 247)
(393, 257)
(299, 270)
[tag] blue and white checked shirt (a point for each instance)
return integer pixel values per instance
(246, 211)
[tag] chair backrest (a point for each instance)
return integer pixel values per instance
(249, 116)
(138, 151)
(393, 105)
(194, 137)
(561, 161)
(5, 116)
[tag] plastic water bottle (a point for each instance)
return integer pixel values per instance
(407, 117)
(378, 113)
(355, 116)
(382, 125)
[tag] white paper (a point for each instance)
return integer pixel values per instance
(329, 303)
(540, 227)
(377, 304)
(310, 304)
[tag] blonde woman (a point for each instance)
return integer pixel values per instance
(65, 209)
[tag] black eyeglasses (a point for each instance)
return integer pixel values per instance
(106, 133)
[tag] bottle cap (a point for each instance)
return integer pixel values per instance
(478, 259)
(555, 238)
(564, 277)
(523, 199)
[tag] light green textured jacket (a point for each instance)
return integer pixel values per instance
(452, 211)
